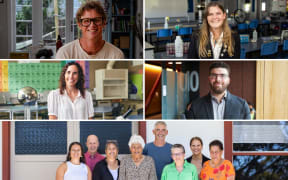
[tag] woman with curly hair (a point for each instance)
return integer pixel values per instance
(215, 39)
(71, 100)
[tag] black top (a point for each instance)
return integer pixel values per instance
(235, 108)
(193, 52)
(204, 159)
(101, 171)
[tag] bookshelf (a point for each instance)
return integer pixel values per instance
(120, 25)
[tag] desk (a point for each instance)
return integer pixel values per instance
(103, 110)
(256, 46)
(153, 30)
(22, 109)
(250, 48)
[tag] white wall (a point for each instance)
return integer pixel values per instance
(182, 131)
(162, 8)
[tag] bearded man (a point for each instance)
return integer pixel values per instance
(219, 103)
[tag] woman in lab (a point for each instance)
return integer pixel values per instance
(215, 39)
(217, 168)
(71, 100)
(74, 168)
(197, 158)
(108, 168)
(137, 166)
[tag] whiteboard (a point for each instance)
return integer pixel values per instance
(163, 8)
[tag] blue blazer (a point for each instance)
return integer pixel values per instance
(235, 108)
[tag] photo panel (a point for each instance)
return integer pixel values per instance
(108, 89)
(183, 89)
(255, 149)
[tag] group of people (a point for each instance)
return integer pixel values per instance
(157, 160)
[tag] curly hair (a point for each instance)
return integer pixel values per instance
(82, 158)
(91, 5)
(81, 81)
(204, 32)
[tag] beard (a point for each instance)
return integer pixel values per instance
(218, 90)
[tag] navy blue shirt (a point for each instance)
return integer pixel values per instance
(160, 155)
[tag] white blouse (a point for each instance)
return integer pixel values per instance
(62, 106)
(216, 45)
(76, 172)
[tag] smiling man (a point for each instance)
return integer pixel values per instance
(91, 19)
(219, 103)
(159, 150)
(92, 157)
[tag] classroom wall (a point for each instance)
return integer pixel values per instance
(162, 8)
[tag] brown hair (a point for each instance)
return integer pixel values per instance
(82, 158)
(204, 32)
(196, 138)
(91, 5)
(79, 84)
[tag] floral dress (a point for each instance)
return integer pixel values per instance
(222, 172)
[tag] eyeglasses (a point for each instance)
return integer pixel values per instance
(177, 154)
(221, 76)
(87, 21)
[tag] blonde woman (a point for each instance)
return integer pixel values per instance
(215, 39)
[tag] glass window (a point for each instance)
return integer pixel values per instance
(260, 136)
(23, 24)
(53, 21)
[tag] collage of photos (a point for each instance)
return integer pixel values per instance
(144, 90)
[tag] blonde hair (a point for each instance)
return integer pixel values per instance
(204, 33)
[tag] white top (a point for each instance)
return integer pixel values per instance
(216, 45)
(114, 173)
(73, 50)
(76, 172)
(62, 106)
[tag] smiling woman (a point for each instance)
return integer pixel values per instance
(215, 39)
(137, 166)
(217, 168)
(71, 100)
(108, 168)
(74, 168)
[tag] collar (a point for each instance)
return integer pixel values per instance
(92, 156)
(184, 165)
(219, 40)
(79, 94)
(213, 98)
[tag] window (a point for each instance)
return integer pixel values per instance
(260, 150)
